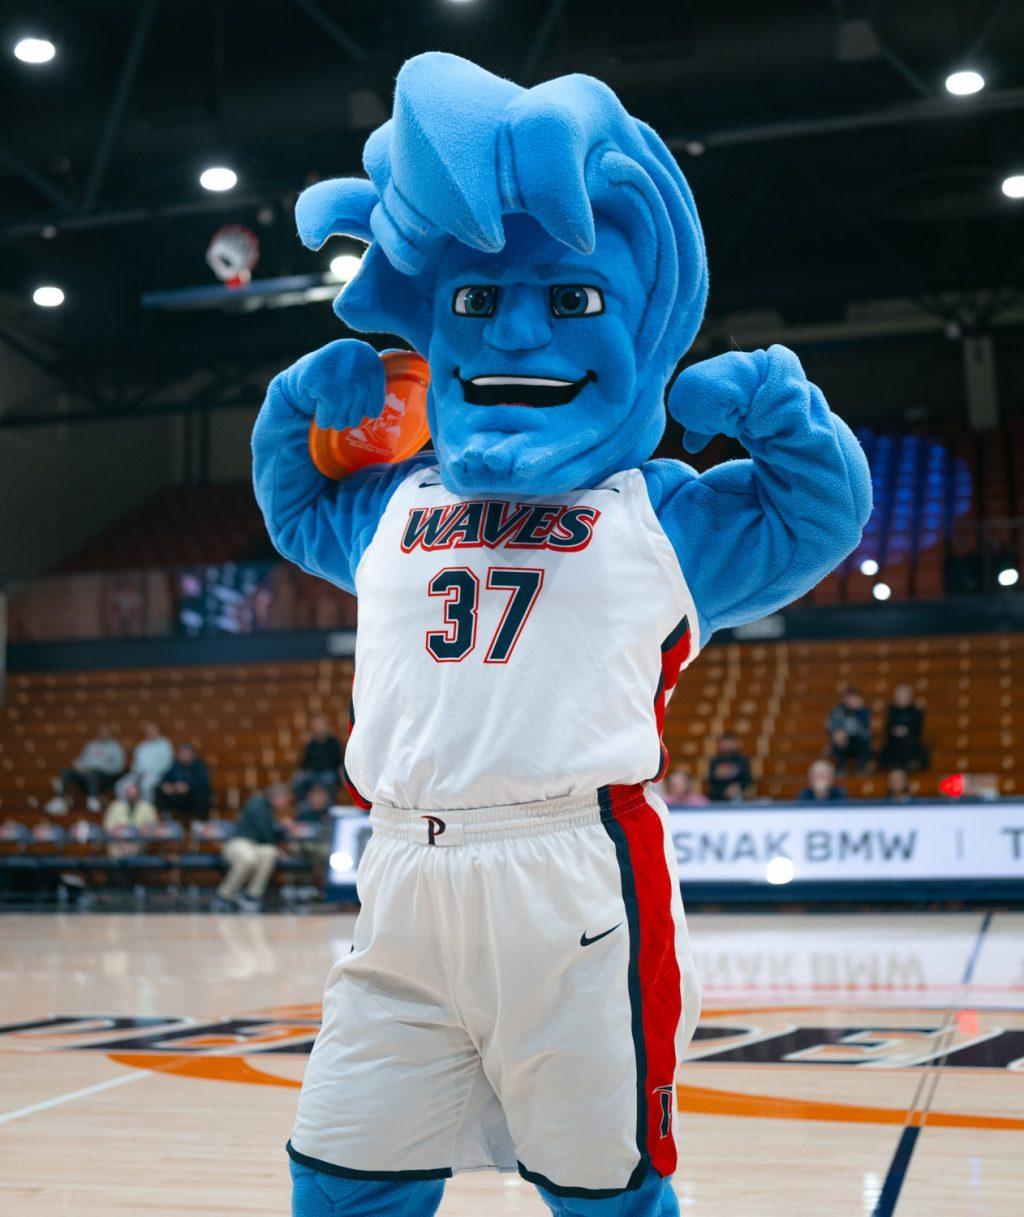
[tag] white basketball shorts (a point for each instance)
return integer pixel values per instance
(519, 995)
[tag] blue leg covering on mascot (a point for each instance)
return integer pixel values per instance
(654, 1198)
(317, 1194)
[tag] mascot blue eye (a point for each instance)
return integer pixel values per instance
(571, 300)
(475, 301)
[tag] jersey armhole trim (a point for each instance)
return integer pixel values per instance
(667, 558)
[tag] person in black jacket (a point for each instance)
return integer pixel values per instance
(252, 852)
(321, 759)
(185, 787)
(903, 747)
(849, 731)
(728, 772)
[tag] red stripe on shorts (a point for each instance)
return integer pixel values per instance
(659, 976)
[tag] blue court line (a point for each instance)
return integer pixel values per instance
(975, 954)
(900, 1163)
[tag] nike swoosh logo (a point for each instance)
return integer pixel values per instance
(424, 485)
(586, 942)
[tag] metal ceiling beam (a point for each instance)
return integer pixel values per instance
(905, 114)
(540, 40)
(922, 291)
(999, 10)
(115, 116)
(112, 218)
(23, 169)
(50, 367)
(330, 27)
(939, 109)
(900, 65)
(246, 400)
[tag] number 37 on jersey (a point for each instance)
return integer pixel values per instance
(459, 589)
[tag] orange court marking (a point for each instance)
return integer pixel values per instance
(211, 1068)
(700, 1099)
(697, 1099)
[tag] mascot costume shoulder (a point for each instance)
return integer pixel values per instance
(521, 990)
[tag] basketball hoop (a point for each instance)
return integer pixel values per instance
(232, 253)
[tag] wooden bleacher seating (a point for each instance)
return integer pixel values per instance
(250, 721)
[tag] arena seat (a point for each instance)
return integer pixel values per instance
(939, 501)
(194, 524)
(250, 721)
(776, 697)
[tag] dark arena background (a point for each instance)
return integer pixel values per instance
(846, 788)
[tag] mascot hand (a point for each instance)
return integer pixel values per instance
(713, 398)
(339, 385)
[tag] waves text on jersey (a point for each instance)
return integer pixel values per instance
(494, 525)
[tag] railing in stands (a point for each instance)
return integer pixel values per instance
(233, 599)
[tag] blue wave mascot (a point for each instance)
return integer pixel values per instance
(521, 990)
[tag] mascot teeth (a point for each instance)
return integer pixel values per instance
(549, 382)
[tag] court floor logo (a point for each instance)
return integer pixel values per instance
(246, 1048)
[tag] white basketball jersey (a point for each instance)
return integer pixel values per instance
(514, 649)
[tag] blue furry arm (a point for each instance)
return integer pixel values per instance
(753, 535)
(321, 525)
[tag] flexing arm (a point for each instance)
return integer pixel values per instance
(322, 525)
(753, 535)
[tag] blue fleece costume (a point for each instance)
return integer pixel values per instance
(541, 248)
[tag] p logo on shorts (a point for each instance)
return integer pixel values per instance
(664, 1094)
(435, 827)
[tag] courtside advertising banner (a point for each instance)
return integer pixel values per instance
(813, 843)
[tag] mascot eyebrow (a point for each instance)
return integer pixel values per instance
(558, 153)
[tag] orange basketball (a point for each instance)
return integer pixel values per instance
(399, 431)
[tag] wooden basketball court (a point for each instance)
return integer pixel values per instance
(846, 1066)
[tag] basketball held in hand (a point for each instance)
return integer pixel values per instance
(399, 431)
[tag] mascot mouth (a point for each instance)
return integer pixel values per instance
(536, 391)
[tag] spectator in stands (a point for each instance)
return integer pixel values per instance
(314, 812)
(152, 757)
(252, 852)
(849, 731)
(94, 770)
(678, 790)
(185, 787)
(728, 771)
(897, 786)
(321, 758)
(821, 784)
(903, 746)
(130, 811)
(315, 805)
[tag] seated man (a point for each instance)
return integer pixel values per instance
(321, 758)
(185, 787)
(253, 851)
(314, 813)
(728, 771)
(151, 758)
(129, 811)
(903, 746)
(849, 731)
(94, 770)
(821, 785)
(314, 808)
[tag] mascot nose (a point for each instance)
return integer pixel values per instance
(521, 321)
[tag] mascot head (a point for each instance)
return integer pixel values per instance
(542, 250)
